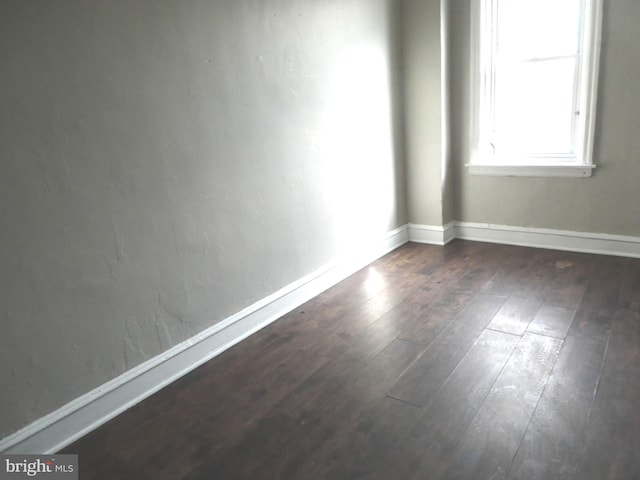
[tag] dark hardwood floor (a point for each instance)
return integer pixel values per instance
(469, 361)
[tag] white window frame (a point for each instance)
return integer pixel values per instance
(481, 161)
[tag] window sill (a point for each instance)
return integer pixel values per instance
(561, 171)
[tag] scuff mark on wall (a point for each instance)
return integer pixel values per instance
(162, 333)
(119, 265)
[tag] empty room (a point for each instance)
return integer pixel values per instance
(319, 239)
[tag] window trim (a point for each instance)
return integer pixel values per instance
(560, 166)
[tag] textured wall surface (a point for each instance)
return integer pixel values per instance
(422, 80)
(165, 164)
(605, 203)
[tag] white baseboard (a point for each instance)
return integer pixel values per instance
(75, 419)
(604, 244)
(599, 243)
(431, 234)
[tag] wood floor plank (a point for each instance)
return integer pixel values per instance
(461, 260)
(612, 437)
(507, 280)
(569, 283)
(313, 311)
(425, 328)
(552, 321)
(612, 434)
(336, 410)
(434, 436)
(588, 322)
(452, 300)
(599, 303)
(553, 440)
(365, 445)
(242, 459)
(605, 283)
(376, 377)
(536, 280)
(358, 316)
(492, 439)
(515, 315)
(422, 315)
(286, 363)
(423, 380)
(630, 286)
(477, 276)
(413, 257)
(622, 363)
(350, 374)
(105, 467)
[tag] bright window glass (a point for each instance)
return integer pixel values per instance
(536, 72)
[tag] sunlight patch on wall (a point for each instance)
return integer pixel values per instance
(359, 146)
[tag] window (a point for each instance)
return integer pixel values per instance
(534, 78)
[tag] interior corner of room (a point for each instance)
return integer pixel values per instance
(174, 176)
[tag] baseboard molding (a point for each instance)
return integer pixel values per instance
(77, 418)
(431, 234)
(604, 244)
(585, 242)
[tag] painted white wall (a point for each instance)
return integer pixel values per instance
(165, 164)
(423, 65)
(605, 203)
